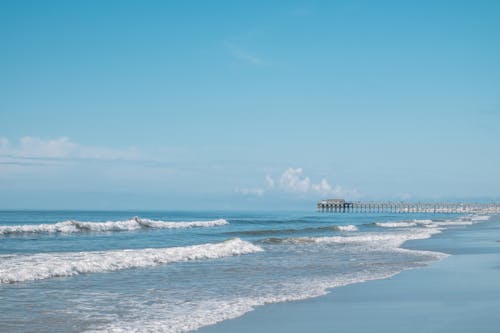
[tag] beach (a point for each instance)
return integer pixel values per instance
(140, 271)
(460, 293)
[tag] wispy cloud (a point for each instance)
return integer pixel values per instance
(61, 148)
(246, 56)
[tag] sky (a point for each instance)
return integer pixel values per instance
(247, 105)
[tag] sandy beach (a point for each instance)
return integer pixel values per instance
(460, 293)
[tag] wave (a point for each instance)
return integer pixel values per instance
(395, 224)
(423, 221)
(403, 224)
(347, 228)
(186, 317)
(265, 232)
(381, 240)
(428, 223)
(20, 268)
(135, 223)
(480, 218)
(450, 223)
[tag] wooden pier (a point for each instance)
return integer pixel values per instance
(342, 206)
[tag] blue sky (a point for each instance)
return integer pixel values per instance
(247, 105)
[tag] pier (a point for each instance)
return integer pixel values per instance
(342, 206)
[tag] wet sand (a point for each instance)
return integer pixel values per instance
(460, 293)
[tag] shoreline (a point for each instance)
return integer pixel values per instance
(459, 293)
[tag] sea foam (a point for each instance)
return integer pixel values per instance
(431, 223)
(128, 225)
(349, 227)
(372, 240)
(264, 232)
(186, 317)
(19, 268)
(480, 218)
(450, 223)
(395, 224)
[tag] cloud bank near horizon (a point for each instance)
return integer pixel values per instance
(33, 152)
(30, 147)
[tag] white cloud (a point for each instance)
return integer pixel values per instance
(323, 187)
(292, 180)
(269, 181)
(257, 191)
(62, 148)
(36, 147)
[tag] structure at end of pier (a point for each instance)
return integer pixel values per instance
(342, 206)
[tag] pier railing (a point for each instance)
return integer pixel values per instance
(405, 207)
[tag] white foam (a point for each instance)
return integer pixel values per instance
(346, 228)
(192, 315)
(480, 218)
(429, 223)
(372, 240)
(186, 317)
(382, 240)
(19, 268)
(450, 223)
(127, 225)
(422, 221)
(395, 224)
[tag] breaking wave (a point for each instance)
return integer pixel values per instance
(135, 223)
(480, 218)
(188, 317)
(265, 232)
(395, 224)
(402, 224)
(20, 268)
(449, 223)
(381, 240)
(431, 223)
(347, 228)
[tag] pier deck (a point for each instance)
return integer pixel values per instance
(341, 206)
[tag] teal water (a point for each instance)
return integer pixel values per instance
(69, 271)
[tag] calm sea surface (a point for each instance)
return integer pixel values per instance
(69, 271)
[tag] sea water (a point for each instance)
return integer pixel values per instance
(69, 271)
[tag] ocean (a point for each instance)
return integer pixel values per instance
(144, 271)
